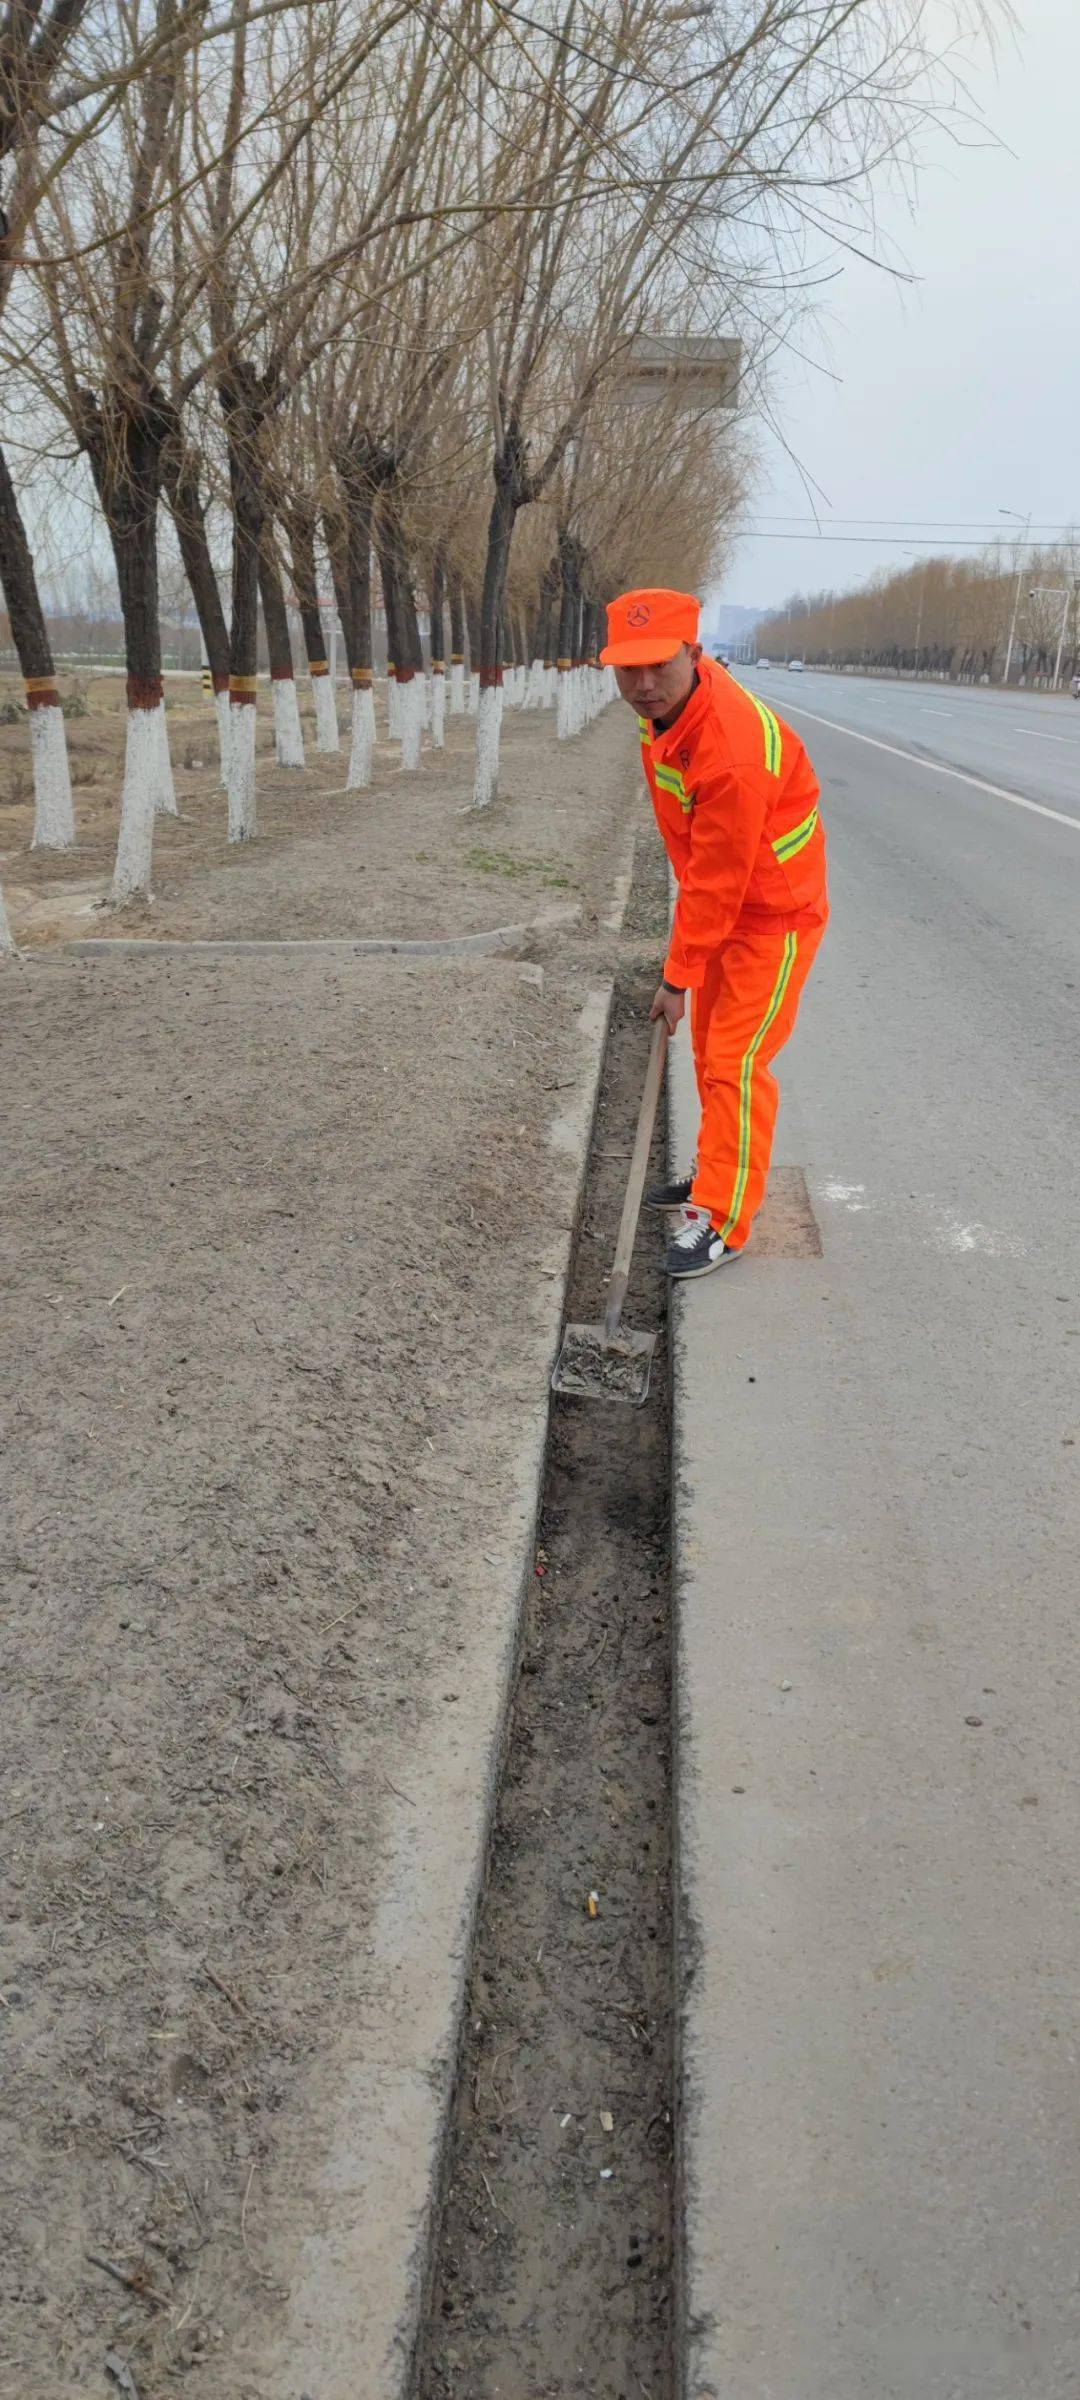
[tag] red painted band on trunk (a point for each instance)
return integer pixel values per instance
(220, 682)
(490, 678)
(403, 675)
(40, 694)
(145, 691)
(242, 691)
(282, 675)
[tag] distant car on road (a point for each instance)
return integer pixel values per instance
(795, 666)
(763, 662)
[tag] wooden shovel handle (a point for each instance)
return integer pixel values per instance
(635, 1182)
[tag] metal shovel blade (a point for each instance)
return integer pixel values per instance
(590, 1366)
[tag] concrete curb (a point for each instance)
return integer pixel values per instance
(682, 1136)
(359, 2297)
(452, 945)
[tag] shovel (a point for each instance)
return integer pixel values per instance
(601, 1362)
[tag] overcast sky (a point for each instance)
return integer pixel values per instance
(960, 394)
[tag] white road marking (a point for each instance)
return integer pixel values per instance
(1027, 733)
(934, 767)
(957, 1235)
(924, 711)
(851, 1196)
(952, 1234)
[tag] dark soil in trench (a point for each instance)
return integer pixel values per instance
(554, 2272)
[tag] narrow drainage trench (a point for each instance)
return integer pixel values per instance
(554, 2271)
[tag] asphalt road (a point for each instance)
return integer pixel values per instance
(1027, 742)
(878, 1548)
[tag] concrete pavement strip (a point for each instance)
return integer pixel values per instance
(360, 2294)
(500, 938)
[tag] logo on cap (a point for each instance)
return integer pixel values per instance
(639, 614)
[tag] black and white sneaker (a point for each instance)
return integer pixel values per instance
(697, 1248)
(670, 1195)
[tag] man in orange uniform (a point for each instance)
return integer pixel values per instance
(736, 800)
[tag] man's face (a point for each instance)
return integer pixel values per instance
(657, 690)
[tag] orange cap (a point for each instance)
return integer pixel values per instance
(645, 628)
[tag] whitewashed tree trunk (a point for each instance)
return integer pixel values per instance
(457, 688)
(411, 721)
(473, 695)
(488, 727)
(223, 707)
(7, 938)
(327, 736)
(564, 723)
(393, 707)
(438, 710)
(138, 805)
(362, 745)
(535, 689)
(54, 810)
(164, 787)
(288, 732)
(243, 813)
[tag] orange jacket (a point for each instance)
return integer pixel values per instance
(736, 800)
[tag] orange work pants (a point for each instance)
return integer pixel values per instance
(740, 1017)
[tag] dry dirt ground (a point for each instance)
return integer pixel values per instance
(269, 1243)
(404, 858)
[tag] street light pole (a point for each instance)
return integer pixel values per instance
(1011, 512)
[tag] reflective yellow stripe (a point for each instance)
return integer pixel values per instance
(771, 729)
(670, 780)
(787, 844)
(645, 729)
(746, 1080)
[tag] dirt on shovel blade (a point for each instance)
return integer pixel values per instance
(596, 1370)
